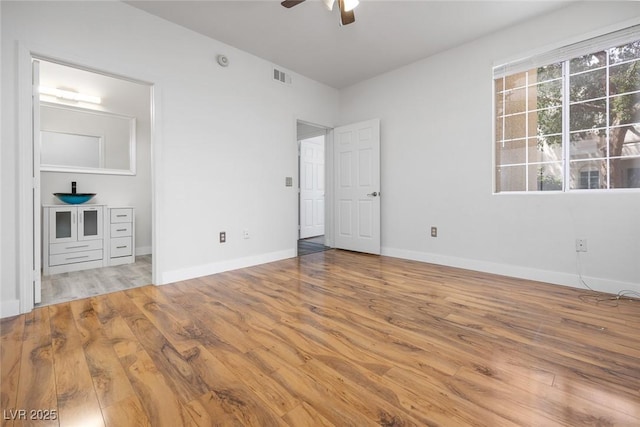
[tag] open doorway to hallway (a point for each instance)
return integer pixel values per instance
(311, 191)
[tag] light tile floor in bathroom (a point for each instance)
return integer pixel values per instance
(96, 281)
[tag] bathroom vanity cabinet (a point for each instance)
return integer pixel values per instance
(79, 237)
(72, 238)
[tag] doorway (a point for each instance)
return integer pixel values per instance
(312, 188)
(120, 177)
(352, 186)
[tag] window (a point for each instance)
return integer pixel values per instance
(573, 123)
(589, 179)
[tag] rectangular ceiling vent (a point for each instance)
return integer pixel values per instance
(281, 76)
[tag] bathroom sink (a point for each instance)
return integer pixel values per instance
(74, 198)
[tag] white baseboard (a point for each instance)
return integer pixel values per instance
(9, 308)
(553, 277)
(219, 267)
(143, 250)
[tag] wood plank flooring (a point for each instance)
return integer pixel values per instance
(329, 339)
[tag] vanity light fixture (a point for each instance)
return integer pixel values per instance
(69, 95)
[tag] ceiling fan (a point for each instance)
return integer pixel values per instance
(346, 8)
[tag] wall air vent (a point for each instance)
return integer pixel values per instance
(281, 76)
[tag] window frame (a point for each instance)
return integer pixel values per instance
(562, 53)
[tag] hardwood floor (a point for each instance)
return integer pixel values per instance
(332, 338)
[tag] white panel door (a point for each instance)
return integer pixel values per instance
(312, 187)
(357, 186)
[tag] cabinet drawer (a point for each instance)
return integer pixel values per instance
(120, 246)
(121, 215)
(121, 230)
(71, 247)
(61, 259)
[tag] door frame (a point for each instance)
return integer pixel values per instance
(28, 212)
(330, 194)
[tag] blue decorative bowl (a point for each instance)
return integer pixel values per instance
(74, 198)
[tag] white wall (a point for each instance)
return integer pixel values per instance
(213, 172)
(436, 132)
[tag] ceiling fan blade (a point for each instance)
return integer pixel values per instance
(346, 17)
(290, 3)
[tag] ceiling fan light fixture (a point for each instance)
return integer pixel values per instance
(346, 8)
(349, 5)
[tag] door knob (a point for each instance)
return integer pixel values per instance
(374, 194)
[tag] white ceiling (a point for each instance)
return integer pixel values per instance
(307, 39)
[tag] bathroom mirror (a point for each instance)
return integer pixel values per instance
(80, 140)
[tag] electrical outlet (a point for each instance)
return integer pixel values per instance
(434, 231)
(223, 236)
(581, 245)
(245, 234)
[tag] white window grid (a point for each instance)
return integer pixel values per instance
(565, 105)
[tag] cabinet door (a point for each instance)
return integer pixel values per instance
(63, 224)
(90, 223)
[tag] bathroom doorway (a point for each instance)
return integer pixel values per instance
(80, 104)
